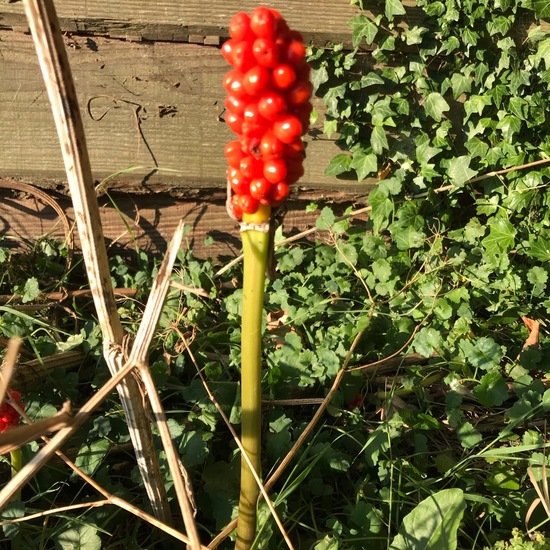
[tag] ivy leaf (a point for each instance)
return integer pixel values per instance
(378, 140)
(408, 237)
(364, 164)
(459, 170)
(501, 237)
(460, 84)
(318, 77)
(394, 7)
(424, 151)
(363, 27)
(435, 105)
(542, 8)
(338, 165)
(382, 207)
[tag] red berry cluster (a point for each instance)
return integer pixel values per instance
(268, 108)
(8, 415)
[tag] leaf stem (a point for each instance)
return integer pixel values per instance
(255, 250)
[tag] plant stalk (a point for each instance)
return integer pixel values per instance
(16, 458)
(255, 251)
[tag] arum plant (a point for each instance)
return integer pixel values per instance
(267, 106)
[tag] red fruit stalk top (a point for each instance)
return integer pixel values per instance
(8, 415)
(268, 107)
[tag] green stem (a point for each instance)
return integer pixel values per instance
(16, 458)
(255, 250)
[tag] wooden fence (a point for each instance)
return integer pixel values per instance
(149, 78)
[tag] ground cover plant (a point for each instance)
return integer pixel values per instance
(421, 333)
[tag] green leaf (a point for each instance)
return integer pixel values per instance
(433, 524)
(428, 341)
(364, 164)
(501, 236)
(79, 537)
(539, 248)
(542, 8)
(326, 219)
(363, 28)
(460, 84)
(90, 457)
(492, 389)
(319, 77)
(378, 140)
(31, 290)
(408, 237)
(435, 105)
(382, 208)
(394, 7)
(483, 354)
(459, 170)
(468, 436)
(338, 165)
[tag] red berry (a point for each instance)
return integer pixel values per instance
(275, 170)
(251, 167)
(287, 128)
(235, 208)
(248, 204)
(271, 147)
(283, 76)
(238, 182)
(263, 22)
(239, 26)
(227, 50)
(256, 80)
(243, 58)
(278, 193)
(259, 188)
(295, 52)
(233, 83)
(233, 153)
(299, 92)
(235, 122)
(271, 105)
(265, 52)
(236, 104)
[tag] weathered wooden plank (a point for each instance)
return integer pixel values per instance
(155, 105)
(320, 21)
(146, 222)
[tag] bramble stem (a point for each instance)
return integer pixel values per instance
(255, 250)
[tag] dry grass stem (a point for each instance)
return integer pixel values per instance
(138, 356)
(20, 435)
(8, 366)
(263, 490)
(55, 68)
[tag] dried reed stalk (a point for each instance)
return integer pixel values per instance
(54, 63)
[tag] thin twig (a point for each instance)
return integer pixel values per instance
(299, 442)
(8, 365)
(139, 355)
(263, 490)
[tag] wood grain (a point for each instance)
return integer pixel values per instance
(147, 223)
(156, 105)
(320, 21)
